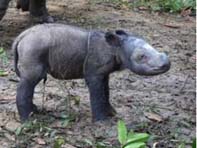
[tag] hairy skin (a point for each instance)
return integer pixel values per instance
(37, 8)
(67, 52)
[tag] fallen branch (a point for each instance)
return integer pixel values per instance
(183, 86)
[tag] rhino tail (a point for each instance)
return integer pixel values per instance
(14, 48)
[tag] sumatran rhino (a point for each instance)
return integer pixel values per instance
(68, 52)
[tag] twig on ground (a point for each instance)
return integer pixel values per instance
(183, 86)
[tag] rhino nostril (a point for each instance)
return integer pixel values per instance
(165, 52)
(166, 66)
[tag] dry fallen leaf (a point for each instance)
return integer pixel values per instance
(143, 8)
(154, 117)
(155, 144)
(40, 141)
(10, 137)
(68, 146)
(186, 12)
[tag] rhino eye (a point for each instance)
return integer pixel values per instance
(141, 57)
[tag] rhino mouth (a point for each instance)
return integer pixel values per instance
(164, 67)
(151, 71)
(159, 70)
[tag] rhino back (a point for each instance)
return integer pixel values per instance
(61, 47)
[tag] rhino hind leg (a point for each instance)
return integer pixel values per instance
(38, 9)
(25, 91)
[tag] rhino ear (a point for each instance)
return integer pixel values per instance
(112, 39)
(121, 32)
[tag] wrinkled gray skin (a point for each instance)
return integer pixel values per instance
(67, 52)
(37, 8)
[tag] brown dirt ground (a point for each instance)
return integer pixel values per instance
(171, 95)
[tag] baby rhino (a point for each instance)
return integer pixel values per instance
(68, 52)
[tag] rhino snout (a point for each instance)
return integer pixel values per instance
(165, 62)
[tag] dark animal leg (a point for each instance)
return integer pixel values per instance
(111, 110)
(38, 8)
(24, 98)
(99, 97)
(23, 4)
(25, 90)
(3, 7)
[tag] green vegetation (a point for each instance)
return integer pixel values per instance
(194, 143)
(3, 56)
(3, 61)
(131, 139)
(59, 142)
(30, 127)
(172, 6)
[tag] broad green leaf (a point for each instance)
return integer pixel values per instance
(136, 145)
(137, 137)
(182, 145)
(1, 50)
(122, 132)
(89, 142)
(3, 73)
(130, 134)
(100, 145)
(194, 143)
(58, 143)
(18, 131)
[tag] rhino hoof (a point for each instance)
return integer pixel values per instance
(47, 19)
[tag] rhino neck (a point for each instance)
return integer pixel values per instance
(101, 57)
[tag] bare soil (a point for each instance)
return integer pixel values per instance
(170, 96)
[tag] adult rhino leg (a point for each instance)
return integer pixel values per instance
(38, 8)
(23, 4)
(3, 7)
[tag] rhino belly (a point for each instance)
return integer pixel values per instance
(66, 66)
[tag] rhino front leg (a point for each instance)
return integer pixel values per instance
(24, 98)
(38, 8)
(3, 7)
(112, 111)
(99, 97)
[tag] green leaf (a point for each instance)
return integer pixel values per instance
(3, 56)
(89, 142)
(137, 137)
(182, 145)
(18, 131)
(122, 132)
(100, 145)
(194, 143)
(136, 145)
(58, 142)
(1, 50)
(3, 73)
